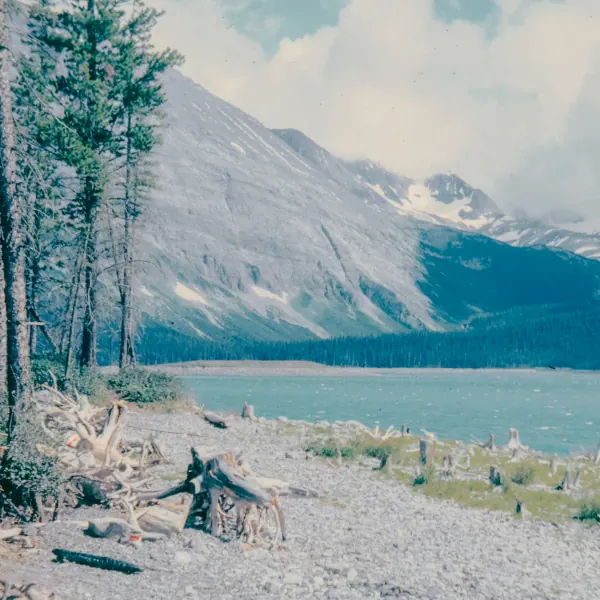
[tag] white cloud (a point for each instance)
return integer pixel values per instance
(392, 83)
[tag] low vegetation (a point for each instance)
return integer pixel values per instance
(135, 384)
(522, 483)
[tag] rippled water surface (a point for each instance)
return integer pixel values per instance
(555, 412)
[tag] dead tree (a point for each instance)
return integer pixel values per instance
(215, 420)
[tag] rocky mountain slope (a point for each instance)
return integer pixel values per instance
(260, 234)
(445, 199)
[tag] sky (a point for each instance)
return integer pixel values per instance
(504, 93)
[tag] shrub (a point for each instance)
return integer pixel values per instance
(330, 450)
(524, 476)
(27, 473)
(42, 366)
(143, 387)
(589, 512)
(425, 477)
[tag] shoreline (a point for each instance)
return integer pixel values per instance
(370, 535)
(311, 369)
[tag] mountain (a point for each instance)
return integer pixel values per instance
(447, 200)
(260, 234)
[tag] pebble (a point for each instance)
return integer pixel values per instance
(368, 537)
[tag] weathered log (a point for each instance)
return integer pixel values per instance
(98, 562)
(28, 591)
(248, 412)
(7, 534)
(163, 518)
(489, 445)
(215, 420)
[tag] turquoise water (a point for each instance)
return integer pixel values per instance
(555, 412)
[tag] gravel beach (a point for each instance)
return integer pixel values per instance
(367, 537)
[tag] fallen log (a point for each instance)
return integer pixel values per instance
(96, 562)
(215, 420)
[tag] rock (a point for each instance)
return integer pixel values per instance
(182, 558)
(292, 578)
(283, 420)
(272, 586)
(352, 575)
(191, 592)
(318, 582)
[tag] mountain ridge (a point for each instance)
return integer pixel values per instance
(251, 238)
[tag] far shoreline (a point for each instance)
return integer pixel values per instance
(312, 369)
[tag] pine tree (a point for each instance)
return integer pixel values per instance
(139, 77)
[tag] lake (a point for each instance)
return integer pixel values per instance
(555, 412)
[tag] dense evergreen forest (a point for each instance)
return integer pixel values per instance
(552, 337)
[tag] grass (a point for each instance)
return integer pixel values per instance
(528, 480)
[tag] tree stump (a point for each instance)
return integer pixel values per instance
(514, 441)
(495, 477)
(248, 412)
(565, 484)
(425, 451)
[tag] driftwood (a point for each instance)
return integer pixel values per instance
(97, 562)
(7, 534)
(489, 445)
(29, 591)
(248, 412)
(215, 420)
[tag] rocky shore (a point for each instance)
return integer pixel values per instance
(368, 536)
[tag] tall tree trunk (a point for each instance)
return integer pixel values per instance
(12, 211)
(127, 352)
(90, 329)
(2, 326)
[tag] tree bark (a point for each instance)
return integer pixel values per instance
(12, 211)
(90, 330)
(127, 350)
(2, 326)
